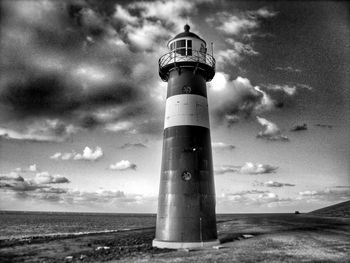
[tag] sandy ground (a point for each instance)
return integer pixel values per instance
(253, 238)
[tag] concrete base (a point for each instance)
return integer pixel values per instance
(178, 245)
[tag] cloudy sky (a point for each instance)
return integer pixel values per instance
(82, 105)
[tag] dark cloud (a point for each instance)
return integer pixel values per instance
(231, 100)
(50, 95)
(302, 127)
(68, 60)
(47, 95)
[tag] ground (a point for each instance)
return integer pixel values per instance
(244, 238)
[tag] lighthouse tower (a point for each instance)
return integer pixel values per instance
(186, 205)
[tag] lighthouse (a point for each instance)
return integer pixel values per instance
(186, 205)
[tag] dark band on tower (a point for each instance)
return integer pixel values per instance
(186, 207)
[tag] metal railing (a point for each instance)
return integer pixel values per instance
(186, 55)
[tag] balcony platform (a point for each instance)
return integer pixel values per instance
(198, 61)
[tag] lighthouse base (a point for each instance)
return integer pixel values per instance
(179, 245)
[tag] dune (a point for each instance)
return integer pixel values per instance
(337, 210)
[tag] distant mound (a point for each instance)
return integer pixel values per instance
(337, 210)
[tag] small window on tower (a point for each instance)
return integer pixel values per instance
(181, 47)
(189, 47)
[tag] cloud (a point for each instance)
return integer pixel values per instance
(288, 69)
(32, 168)
(229, 56)
(328, 194)
(236, 99)
(13, 181)
(253, 197)
(99, 196)
(231, 119)
(119, 126)
(256, 168)
(271, 131)
(19, 184)
(241, 48)
(96, 198)
(13, 176)
(88, 155)
(46, 178)
(288, 89)
(48, 130)
(242, 22)
(43, 191)
(38, 187)
(172, 12)
(324, 126)
(144, 37)
(123, 165)
(222, 146)
(133, 145)
(235, 53)
(273, 184)
(68, 61)
(124, 15)
(223, 169)
(247, 168)
(302, 127)
(238, 28)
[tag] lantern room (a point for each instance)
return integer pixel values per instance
(187, 50)
(185, 42)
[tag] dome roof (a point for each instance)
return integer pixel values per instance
(186, 33)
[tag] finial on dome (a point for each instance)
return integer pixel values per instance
(187, 28)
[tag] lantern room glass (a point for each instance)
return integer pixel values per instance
(182, 47)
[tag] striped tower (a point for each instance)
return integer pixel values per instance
(186, 207)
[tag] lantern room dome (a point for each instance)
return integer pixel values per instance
(186, 34)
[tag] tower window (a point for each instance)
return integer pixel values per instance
(189, 47)
(181, 47)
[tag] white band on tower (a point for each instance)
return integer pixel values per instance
(186, 109)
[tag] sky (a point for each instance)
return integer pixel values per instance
(82, 104)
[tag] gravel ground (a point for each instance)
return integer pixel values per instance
(253, 238)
